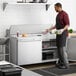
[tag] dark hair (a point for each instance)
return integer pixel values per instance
(58, 5)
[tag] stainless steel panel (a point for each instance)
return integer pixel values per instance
(71, 48)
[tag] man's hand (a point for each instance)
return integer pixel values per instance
(62, 30)
(46, 31)
(49, 30)
(59, 32)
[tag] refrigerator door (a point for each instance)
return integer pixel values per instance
(29, 52)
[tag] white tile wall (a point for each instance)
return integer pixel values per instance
(19, 15)
(15, 14)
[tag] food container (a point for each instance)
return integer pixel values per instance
(24, 35)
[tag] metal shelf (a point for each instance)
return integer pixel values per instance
(27, 3)
(4, 54)
(49, 60)
(48, 51)
(4, 43)
(53, 47)
(47, 5)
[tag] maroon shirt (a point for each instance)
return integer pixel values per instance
(62, 20)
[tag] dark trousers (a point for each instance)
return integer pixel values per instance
(62, 55)
(61, 42)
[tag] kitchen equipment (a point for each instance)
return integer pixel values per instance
(24, 72)
(6, 66)
(4, 48)
(10, 70)
(3, 40)
(71, 48)
(27, 49)
(48, 55)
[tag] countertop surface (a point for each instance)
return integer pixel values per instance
(72, 34)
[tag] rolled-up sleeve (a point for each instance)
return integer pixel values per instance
(66, 19)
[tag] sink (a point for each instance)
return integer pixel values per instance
(3, 40)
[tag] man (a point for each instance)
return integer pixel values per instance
(62, 24)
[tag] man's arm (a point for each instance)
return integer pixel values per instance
(48, 30)
(66, 27)
(53, 27)
(66, 21)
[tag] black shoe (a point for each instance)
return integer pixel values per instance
(58, 64)
(63, 67)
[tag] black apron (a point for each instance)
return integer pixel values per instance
(60, 39)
